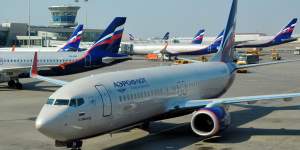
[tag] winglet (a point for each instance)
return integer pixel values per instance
(33, 70)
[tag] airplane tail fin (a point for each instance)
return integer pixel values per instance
(225, 53)
(217, 42)
(286, 32)
(198, 37)
(131, 37)
(110, 40)
(74, 40)
(166, 36)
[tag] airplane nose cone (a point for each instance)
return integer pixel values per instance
(41, 124)
(49, 122)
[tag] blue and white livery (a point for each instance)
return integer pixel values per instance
(109, 102)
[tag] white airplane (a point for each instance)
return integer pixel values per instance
(104, 51)
(103, 103)
(72, 44)
(144, 49)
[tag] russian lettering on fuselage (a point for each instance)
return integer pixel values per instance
(133, 84)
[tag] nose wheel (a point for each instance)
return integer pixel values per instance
(15, 84)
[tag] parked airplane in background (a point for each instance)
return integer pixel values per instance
(212, 48)
(131, 37)
(144, 49)
(199, 37)
(284, 36)
(71, 45)
(106, 102)
(103, 52)
(166, 36)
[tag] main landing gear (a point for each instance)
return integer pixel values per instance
(15, 84)
(75, 145)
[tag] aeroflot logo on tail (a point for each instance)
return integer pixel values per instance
(134, 84)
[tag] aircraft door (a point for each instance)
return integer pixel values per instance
(88, 61)
(106, 100)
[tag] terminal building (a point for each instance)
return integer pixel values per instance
(63, 21)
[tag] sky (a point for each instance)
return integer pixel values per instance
(152, 18)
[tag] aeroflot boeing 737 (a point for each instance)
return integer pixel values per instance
(106, 102)
(143, 49)
(104, 51)
(284, 36)
(212, 48)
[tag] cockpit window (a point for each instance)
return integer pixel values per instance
(50, 101)
(73, 103)
(80, 101)
(61, 102)
(76, 102)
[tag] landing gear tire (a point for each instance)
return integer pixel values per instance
(15, 84)
(19, 86)
(11, 83)
(75, 145)
(145, 126)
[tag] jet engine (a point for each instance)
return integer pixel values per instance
(210, 121)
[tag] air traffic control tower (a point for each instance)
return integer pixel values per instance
(63, 16)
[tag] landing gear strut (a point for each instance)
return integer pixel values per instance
(75, 145)
(15, 84)
(145, 126)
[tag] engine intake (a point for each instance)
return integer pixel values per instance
(210, 121)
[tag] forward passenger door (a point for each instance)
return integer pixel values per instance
(106, 100)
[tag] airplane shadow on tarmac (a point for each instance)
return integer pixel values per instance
(31, 86)
(178, 138)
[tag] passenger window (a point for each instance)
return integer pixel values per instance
(61, 102)
(73, 103)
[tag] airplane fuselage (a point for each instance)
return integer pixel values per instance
(175, 48)
(119, 99)
(64, 62)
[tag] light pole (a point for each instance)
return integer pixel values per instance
(29, 24)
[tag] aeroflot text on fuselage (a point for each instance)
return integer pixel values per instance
(134, 84)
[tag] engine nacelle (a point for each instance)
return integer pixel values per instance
(107, 60)
(210, 121)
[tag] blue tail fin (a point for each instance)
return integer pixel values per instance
(225, 53)
(286, 32)
(166, 36)
(131, 37)
(110, 40)
(74, 40)
(198, 37)
(217, 42)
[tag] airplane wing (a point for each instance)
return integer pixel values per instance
(265, 64)
(190, 60)
(34, 73)
(247, 66)
(195, 104)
